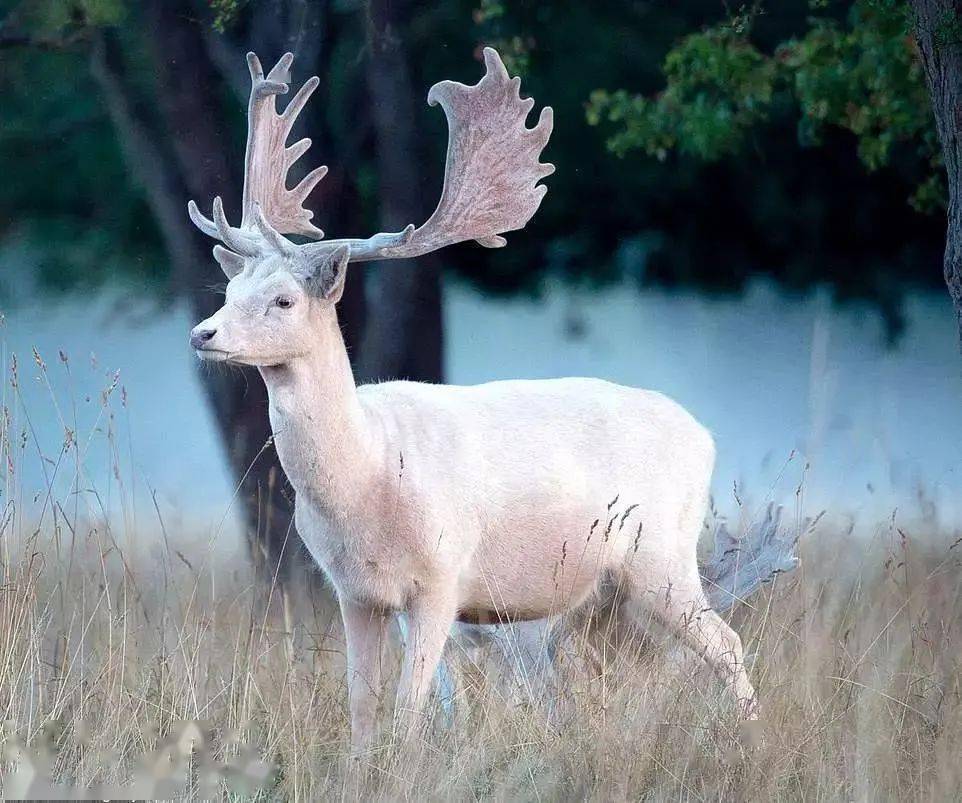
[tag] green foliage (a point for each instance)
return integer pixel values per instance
(66, 194)
(488, 11)
(515, 50)
(226, 13)
(718, 88)
(861, 75)
(46, 18)
(864, 78)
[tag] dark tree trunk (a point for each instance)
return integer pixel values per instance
(939, 36)
(403, 340)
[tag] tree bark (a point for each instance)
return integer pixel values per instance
(939, 37)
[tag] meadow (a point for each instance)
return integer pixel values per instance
(112, 634)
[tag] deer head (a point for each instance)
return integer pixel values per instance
(277, 286)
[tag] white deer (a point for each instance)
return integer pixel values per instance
(491, 502)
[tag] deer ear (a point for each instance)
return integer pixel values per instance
(326, 277)
(229, 262)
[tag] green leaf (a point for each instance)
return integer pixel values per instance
(862, 76)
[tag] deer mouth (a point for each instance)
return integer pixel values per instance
(213, 355)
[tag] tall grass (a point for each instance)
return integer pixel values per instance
(106, 642)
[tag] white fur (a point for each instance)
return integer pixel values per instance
(477, 502)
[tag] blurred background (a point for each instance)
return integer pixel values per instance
(748, 214)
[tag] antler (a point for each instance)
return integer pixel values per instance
(491, 174)
(490, 178)
(267, 163)
(269, 159)
(492, 170)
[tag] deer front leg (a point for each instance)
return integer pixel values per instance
(430, 617)
(365, 628)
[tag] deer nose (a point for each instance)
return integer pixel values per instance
(198, 337)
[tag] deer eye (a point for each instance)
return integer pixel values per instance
(284, 302)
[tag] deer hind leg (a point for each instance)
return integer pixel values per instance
(684, 610)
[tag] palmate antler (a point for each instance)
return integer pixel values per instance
(266, 165)
(490, 179)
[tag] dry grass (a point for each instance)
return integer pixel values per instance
(104, 647)
(858, 672)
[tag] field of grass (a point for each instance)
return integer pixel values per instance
(856, 659)
(108, 642)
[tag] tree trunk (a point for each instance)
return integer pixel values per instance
(939, 36)
(404, 338)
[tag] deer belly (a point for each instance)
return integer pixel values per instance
(530, 573)
(525, 592)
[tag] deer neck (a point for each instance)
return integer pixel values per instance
(320, 431)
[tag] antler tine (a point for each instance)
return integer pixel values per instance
(275, 239)
(201, 221)
(492, 170)
(276, 81)
(362, 250)
(254, 66)
(235, 239)
(218, 228)
(269, 159)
